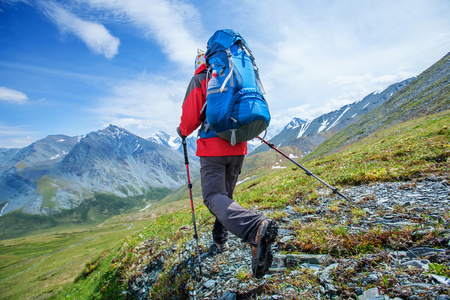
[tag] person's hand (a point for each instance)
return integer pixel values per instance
(179, 133)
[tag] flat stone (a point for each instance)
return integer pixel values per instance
(297, 259)
(286, 239)
(330, 268)
(284, 232)
(419, 285)
(420, 252)
(373, 292)
(441, 279)
(209, 284)
(413, 263)
(228, 296)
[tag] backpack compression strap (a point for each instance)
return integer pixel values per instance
(230, 74)
(258, 79)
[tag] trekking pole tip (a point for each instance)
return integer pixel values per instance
(343, 196)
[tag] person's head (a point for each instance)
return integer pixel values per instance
(200, 58)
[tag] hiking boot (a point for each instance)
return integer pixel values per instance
(222, 247)
(261, 248)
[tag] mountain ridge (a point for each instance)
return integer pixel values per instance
(426, 94)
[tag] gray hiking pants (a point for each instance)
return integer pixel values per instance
(219, 175)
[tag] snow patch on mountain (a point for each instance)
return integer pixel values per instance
(335, 122)
(295, 123)
(323, 126)
(303, 129)
(3, 209)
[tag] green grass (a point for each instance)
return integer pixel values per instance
(398, 153)
(88, 261)
(92, 211)
(39, 264)
(47, 189)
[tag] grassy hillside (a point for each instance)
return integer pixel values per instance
(92, 212)
(411, 150)
(50, 260)
(267, 161)
(37, 265)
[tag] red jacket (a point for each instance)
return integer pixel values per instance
(191, 119)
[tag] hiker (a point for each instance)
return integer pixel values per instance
(221, 163)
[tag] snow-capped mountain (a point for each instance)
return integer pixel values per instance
(175, 143)
(307, 135)
(163, 138)
(294, 123)
(60, 172)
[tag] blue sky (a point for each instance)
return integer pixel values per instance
(72, 67)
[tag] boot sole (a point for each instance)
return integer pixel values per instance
(264, 257)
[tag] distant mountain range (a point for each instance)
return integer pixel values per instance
(61, 172)
(305, 136)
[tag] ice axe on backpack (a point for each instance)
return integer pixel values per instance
(307, 172)
(186, 161)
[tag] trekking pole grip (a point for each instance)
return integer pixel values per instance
(186, 160)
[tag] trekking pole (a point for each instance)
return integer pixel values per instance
(308, 172)
(186, 161)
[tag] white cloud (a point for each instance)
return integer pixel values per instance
(10, 95)
(144, 106)
(173, 24)
(326, 55)
(16, 136)
(94, 35)
(357, 87)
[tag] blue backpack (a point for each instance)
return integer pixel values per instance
(235, 106)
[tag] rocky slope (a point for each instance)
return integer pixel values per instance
(406, 270)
